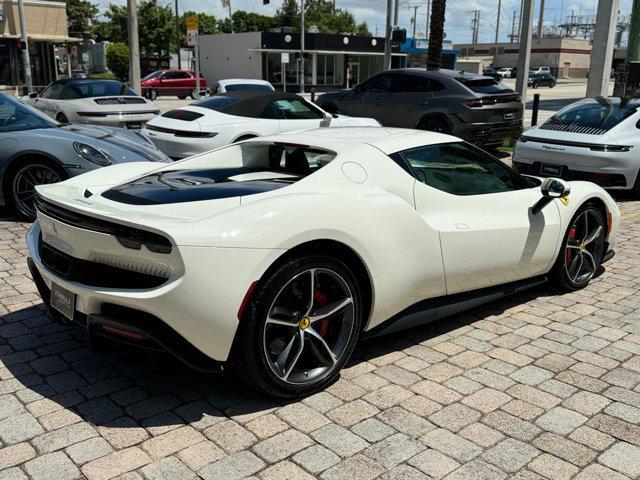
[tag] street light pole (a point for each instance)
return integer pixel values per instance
(301, 46)
(396, 8)
(524, 57)
(134, 48)
(26, 61)
(177, 33)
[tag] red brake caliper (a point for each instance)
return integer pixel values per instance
(321, 299)
(569, 252)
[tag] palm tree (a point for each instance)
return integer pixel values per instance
(436, 34)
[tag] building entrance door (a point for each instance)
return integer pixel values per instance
(353, 74)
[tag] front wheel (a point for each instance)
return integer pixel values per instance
(582, 249)
(23, 183)
(152, 94)
(300, 327)
(535, 85)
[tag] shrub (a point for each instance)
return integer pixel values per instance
(118, 60)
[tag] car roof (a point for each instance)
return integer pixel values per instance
(249, 103)
(386, 139)
(439, 73)
(256, 81)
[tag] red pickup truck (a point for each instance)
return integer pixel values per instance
(171, 82)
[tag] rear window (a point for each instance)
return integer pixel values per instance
(246, 86)
(184, 115)
(599, 113)
(214, 103)
(292, 159)
(484, 85)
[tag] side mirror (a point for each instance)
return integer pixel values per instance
(326, 119)
(551, 188)
(33, 95)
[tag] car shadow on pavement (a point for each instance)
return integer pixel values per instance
(124, 387)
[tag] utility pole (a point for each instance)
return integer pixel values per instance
(604, 38)
(498, 21)
(524, 57)
(177, 33)
(415, 20)
(541, 20)
(387, 37)
(426, 30)
(26, 61)
(633, 44)
(513, 27)
(134, 48)
(475, 26)
(301, 46)
(396, 9)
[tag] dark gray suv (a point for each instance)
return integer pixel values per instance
(473, 107)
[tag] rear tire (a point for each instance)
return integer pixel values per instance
(288, 343)
(535, 85)
(152, 94)
(182, 97)
(434, 124)
(582, 249)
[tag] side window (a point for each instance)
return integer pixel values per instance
(170, 76)
(271, 112)
(414, 83)
(379, 83)
(460, 169)
(53, 92)
(181, 75)
(294, 109)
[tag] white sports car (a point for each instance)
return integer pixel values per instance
(94, 101)
(237, 84)
(235, 116)
(594, 139)
(275, 255)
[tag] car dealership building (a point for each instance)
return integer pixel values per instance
(331, 61)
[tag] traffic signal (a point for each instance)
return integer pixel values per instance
(398, 35)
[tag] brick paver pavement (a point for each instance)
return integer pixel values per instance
(542, 385)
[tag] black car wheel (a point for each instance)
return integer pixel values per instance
(582, 249)
(535, 85)
(193, 93)
(182, 97)
(62, 118)
(300, 327)
(152, 94)
(23, 184)
(434, 124)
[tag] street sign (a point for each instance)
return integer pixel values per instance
(284, 57)
(192, 30)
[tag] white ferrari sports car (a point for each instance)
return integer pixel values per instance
(235, 116)
(594, 139)
(275, 255)
(95, 101)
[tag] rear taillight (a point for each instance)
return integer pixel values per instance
(180, 133)
(480, 102)
(610, 148)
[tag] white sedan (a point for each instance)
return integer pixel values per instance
(232, 117)
(273, 256)
(594, 139)
(237, 84)
(95, 101)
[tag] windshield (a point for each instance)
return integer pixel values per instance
(96, 88)
(246, 86)
(484, 85)
(600, 113)
(153, 75)
(16, 116)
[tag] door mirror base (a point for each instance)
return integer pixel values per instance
(551, 188)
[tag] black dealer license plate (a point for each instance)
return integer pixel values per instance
(551, 170)
(134, 126)
(63, 300)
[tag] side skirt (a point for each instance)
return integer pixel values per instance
(433, 309)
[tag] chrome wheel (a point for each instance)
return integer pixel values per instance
(308, 326)
(24, 183)
(584, 247)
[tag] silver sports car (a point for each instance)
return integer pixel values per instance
(95, 101)
(35, 149)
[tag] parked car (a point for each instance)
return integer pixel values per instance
(95, 101)
(492, 72)
(536, 80)
(505, 72)
(594, 139)
(274, 256)
(35, 149)
(181, 83)
(79, 74)
(236, 84)
(235, 116)
(473, 107)
(540, 70)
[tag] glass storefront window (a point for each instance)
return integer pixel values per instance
(329, 69)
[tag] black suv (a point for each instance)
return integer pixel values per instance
(541, 80)
(476, 108)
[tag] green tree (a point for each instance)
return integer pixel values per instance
(114, 28)
(321, 14)
(118, 60)
(436, 35)
(289, 14)
(81, 17)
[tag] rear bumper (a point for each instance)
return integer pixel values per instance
(622, 180)
(123, 120)
(200, 304)
(489, 133)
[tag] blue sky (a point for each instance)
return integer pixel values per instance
(458, 22)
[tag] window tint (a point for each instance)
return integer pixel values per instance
(600, 113)
(16, 116)
(175, 75)
(293, 110)
(379, 83)
(96, 88)
(214, 103)
(460, 169)
(53, 91)
(484, 85)
(411, 83)
(297, 160)
(247, 86)
(155, 74)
